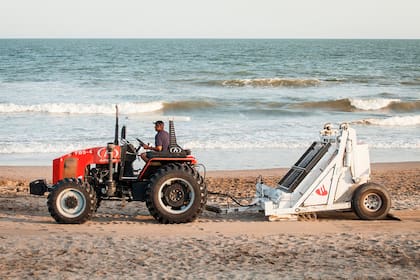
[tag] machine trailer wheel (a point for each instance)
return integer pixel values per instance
(71, 201)
(371, 202)
(176, 194)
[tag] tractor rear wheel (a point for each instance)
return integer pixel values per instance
(176, 194)
(371, 202)
(71, 201)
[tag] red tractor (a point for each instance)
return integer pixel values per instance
(170, 184)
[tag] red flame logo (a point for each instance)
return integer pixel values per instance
(103, 154)
(322, 191)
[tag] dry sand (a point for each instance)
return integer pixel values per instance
(123, 241)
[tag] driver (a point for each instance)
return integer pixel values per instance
(161, 142)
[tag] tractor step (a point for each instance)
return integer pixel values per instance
(39, 187)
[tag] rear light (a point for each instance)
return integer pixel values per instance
(193, 159)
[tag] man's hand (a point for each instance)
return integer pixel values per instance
(148, 147)
(158, 148)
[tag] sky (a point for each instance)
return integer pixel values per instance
(397, 19)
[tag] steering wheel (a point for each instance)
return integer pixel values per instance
(141, 144)
(130, 147)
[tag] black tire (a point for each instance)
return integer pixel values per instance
(176, 194)
(98, 196)
(71, 201)
(371, 202)
(93, 183)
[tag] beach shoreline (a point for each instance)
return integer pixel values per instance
(123, 240)
(229, 159)
(27, 173)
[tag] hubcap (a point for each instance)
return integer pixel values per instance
(176, 195)
(372, 202)
(71, 203)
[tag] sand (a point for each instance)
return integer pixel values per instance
(123, 241)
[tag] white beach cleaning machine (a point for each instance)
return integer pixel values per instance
(333, 174)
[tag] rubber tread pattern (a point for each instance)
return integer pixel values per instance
(167, 170)
(91, 201)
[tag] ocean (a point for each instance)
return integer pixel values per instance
(237, 104)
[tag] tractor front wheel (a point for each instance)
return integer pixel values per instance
(176, 194)
(371, 202)
(71, 202)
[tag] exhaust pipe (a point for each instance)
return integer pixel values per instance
(116, 125)
(111, 186)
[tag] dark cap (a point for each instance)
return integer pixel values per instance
(158, 122)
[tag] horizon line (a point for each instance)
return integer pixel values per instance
(207, 38)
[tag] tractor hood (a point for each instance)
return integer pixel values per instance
(72, 165)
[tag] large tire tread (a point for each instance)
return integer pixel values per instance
(176, 170)
(91, 201)
(358, 202)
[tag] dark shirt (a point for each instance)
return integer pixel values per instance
(162, 139)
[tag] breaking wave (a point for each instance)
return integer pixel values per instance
(47, 148)
(412, 106)
(188, 105)
(391, 121)
(269, 107)
(77, 108)
(345, 105)
(353, 104)
(372, 104)
(125, 108)
(336, 105)
(270, 82)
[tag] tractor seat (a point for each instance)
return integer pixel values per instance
(168, 154)
(174, 150)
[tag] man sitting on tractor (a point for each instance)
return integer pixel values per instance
(161, 142)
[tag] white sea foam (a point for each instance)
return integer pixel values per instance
(63, 148)
(66, 147)
(43, 148)
(176, 118)
(372, 104)
(395, 145)
(79, 108)
(392, 121)
(242, 145)
(272, 82)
